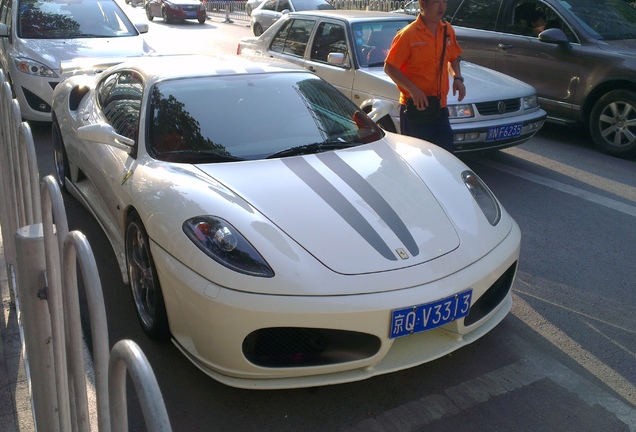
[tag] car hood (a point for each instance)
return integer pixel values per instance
(626, 47)
(360, 210)
(482, 82)
(53, 51)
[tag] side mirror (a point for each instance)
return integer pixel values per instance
(336, 58)
(554, 36)
(103, 133)
(142, 27)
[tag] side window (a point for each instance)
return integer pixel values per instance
(477, 14)
(292, 38)
(298, 37)
(122, 105)
(282, 5)
(270, 5)
(330, 38)
(530, 18)
(278, 41)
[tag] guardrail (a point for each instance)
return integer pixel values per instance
(237, 10)
(41, 258)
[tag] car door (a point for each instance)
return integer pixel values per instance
(107, 167)
(329, 55)
(497, 34)
(6, 18)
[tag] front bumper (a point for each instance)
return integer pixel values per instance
(210, 323)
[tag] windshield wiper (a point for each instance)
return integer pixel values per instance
(190, 156)
(312, 148)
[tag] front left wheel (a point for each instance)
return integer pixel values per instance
(149, 14)
(59, 155)
(613, 123)
(257, 29)
(144, 282)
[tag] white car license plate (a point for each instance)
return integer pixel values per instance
(496, 133)
(428, 316)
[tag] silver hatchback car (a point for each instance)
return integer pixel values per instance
(347, 49)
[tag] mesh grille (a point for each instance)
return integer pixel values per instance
(499, 107)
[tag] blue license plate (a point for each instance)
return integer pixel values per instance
(497, 133)
(191, 14)
(416, 319)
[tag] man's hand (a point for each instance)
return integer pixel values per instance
(458, 86)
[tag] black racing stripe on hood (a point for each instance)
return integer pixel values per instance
(339, 203)
(371, 197)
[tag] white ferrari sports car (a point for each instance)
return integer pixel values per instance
(305, 247)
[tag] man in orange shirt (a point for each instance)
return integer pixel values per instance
(413, 63)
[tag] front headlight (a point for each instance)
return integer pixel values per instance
(225, 245)
(483, 196)
(530, 102)
(32, 67)
(460, 111)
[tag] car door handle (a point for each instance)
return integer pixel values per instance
(505, 47)
(311, 69)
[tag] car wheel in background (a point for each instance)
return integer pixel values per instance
(59, 155)
(144, 282)
(201, 20)
(257, 29)
(387, 124)
(148, 14)
(613, 123)
(164, 15)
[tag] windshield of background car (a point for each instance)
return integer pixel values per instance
(255, 116)
(608, 20)
(373, 39)
(301, 5)
(67, 19)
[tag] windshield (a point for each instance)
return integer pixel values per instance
(247, 117)
(373, 40)
(608, 20)
(67, 19)
(301, 5)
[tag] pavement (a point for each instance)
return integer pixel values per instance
(16, 414)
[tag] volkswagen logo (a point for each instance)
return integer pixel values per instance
(501, 107)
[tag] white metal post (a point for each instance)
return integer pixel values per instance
(34, 315)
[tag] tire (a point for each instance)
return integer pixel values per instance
(612, 123)
(144, 282)
(164, 15)
(257, 29)
(387, 124)
(60, 158)
(201, 20)
(148, 14)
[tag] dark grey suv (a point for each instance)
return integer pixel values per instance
(580, 55)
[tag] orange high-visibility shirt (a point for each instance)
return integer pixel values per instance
(417, 52)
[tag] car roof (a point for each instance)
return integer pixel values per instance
(354, 15)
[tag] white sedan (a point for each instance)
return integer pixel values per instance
(348, 48)
(313, 248)
(36, 36)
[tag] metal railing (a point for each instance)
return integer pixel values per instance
(41, 258)
(236, 10)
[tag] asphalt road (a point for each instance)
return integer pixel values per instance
(564, 359)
